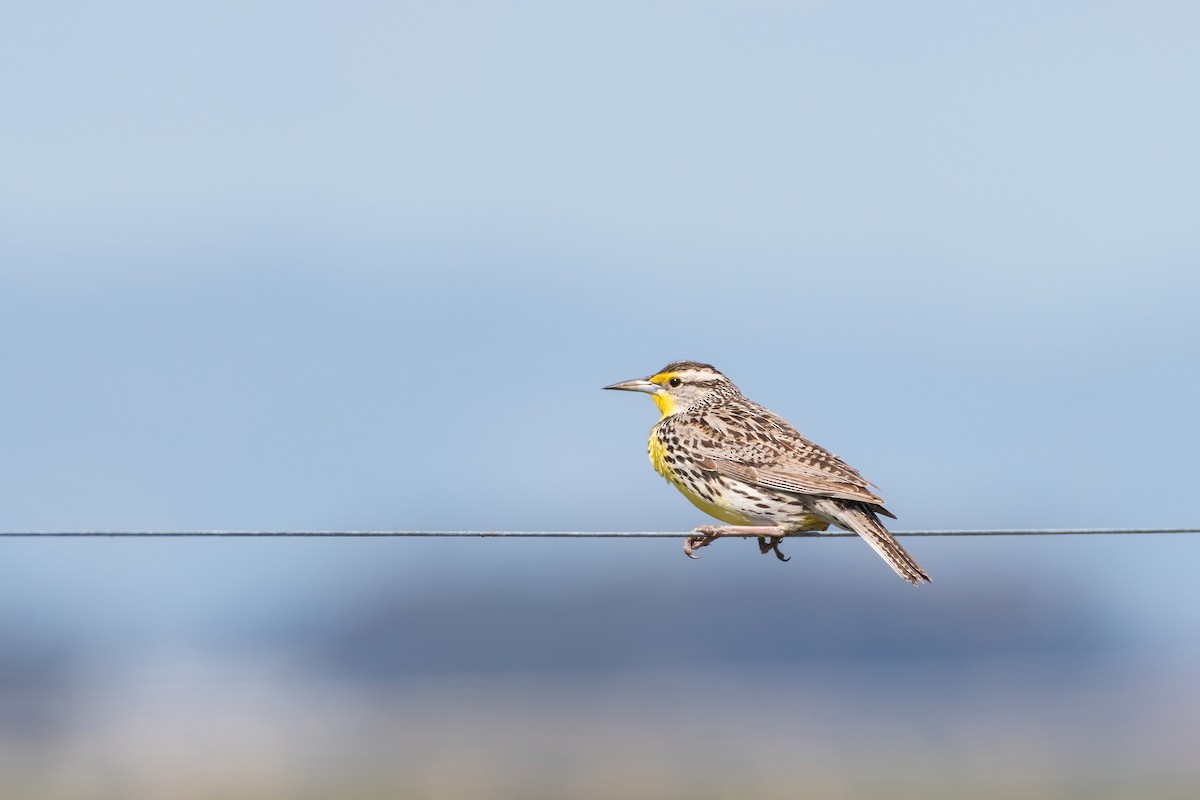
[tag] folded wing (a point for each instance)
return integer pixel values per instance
(766, 451)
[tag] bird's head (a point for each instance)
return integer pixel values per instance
(679, 386)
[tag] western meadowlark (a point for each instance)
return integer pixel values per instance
(743, 464)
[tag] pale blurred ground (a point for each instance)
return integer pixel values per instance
(366, 265)
(846, 733)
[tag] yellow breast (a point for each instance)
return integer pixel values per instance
(658, 457)
(714, 508)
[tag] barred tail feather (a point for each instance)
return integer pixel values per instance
(862, 520)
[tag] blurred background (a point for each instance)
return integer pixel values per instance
(366, 266)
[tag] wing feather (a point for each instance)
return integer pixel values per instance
(763, 449)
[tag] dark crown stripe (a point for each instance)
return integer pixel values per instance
(681, 366)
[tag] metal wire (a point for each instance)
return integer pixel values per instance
(560, 534)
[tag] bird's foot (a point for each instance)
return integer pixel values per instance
(707, 534)
(771, 544)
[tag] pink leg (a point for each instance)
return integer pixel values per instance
(710, 533)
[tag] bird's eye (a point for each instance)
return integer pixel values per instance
(674, 382)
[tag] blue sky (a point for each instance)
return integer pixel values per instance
(300, 265)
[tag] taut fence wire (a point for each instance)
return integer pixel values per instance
(299, 534)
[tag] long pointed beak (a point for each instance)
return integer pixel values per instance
(635, 385)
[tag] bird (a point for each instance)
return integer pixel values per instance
(746, 466)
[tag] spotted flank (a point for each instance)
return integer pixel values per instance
(741, 463)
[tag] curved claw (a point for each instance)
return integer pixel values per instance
(693, 543)
(765, 546)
